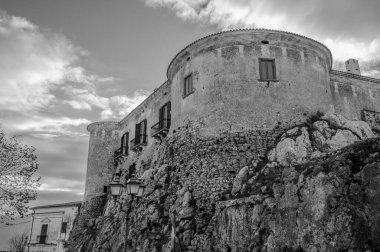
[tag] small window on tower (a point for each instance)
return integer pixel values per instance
(267, 70)
(188, 85)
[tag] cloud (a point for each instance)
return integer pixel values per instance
(35, 64)
(342, 16)
(367, 54)
(48, 97)
(112, 107)
(48, 188)
(45, 125)
(49, 197)
(120, 106)
(31, 62)
(346, 26)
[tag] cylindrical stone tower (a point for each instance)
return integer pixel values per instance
(230, 90)
(104, 139)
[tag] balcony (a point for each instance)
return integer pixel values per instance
(41, 239)
(120, 155)
(137, 143)
(161, 128)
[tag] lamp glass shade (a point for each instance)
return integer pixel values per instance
(140, 193)
(116, 189)
(133, 186)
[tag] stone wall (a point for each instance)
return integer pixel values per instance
(229, 97)
(83, 226)
(225, 194)
(228, 94)
(353, 93)
(104, 140)
(207, 165)
(186, 174)
(219, 134)
(148, 109)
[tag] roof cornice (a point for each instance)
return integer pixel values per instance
(236, 30)
(355, 76)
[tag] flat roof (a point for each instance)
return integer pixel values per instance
(74, 203)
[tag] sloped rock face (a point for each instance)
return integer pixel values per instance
(327, 204)
(276, 190)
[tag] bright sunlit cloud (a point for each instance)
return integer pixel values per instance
(51, 125)
(49, 188)
(339, 24)
(35, 63)
(32, 62)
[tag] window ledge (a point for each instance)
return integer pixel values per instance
(262, 80)
(184, 96)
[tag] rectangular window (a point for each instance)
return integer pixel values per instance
(43, 234)
(140, 136)
(124, 144)
(64, 228)
(188, 85)
(105, 189)
(267, 69)
(164, 116)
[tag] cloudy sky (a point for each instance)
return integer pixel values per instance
(64, 64)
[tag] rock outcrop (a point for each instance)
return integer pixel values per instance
(330, 203)
(314, 187)
(328, 133)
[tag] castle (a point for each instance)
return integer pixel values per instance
(235, 81)
(235, 92)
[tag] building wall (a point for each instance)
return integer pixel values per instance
(228, 93)
(230, 122)
(354, 93)
(101, 167)
(229, 97)
(53, 217)
(104, 140)
(148, 110)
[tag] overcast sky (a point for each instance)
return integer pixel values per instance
(64, 64)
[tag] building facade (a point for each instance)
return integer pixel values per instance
(228, 98)
(51, 226)
(231, 82)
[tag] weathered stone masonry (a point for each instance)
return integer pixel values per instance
(203, 167)
(207, 165)
(220, 135)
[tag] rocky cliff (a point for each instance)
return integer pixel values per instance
(314, 187)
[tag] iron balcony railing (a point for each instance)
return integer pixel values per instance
(42, 239)
(119, 155)
(122, 151)
(137, 142)
(160, 128)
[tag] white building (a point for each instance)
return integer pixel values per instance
(51, 225)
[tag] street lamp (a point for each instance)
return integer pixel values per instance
(141, 190)
(134, 187)
(116, 188)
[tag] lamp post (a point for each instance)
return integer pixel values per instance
(134, 187)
